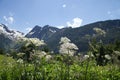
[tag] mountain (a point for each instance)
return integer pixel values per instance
(8, 37)
(43, 33)
(52, 35)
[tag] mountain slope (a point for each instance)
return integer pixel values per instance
(78, 35)
(8, 37)
(42, 33)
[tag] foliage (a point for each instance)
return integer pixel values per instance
(56, 69)
(104, 54)
(1, 51)
(28, 47)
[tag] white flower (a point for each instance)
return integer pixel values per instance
(90, 54)
(43, 53)
(99, 31)
(107, 57)
(64, 40)
(40, 54)
(66, 47)
(20, 61)
(34, 41)
(86, 56)
(117, 52)
(48, 57)
(20, 54)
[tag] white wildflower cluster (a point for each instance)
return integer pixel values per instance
(117, 52)
(107, 56)
(99, 31)
(66, 47)
(20, 61)
(48, 57)
(34, 41)
(20, 54)
(41, 54)
(86, 56)
(64, 40)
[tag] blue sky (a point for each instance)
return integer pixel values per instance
(22, 15)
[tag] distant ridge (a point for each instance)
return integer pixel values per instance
(51, 35)
(8, 37)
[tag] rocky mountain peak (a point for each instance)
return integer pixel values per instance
(9, 33)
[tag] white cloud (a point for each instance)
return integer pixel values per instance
(9, 19)
(64, 5)
(28, 29)
(60, 27)
(76, 23)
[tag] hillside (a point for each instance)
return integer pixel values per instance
(77, 35)
(8, 37)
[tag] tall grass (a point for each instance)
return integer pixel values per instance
(56, 69)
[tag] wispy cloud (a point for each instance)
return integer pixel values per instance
(64, 5)
(76, 22)
(9, 19)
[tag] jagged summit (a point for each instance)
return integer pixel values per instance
(11, 34)
(8, 37)
(42, 32)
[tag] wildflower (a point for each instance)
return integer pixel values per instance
(86, 56)
(20, 61)
(117, 52)
(66, 47)
(34, 41)
(20, 54)
(107, 57)
(64, 40)
(48, 57)
(99, 31)
(90, 54)
(43, 53)
(39, 54)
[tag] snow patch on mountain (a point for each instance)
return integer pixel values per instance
(53, 31)
(11, 34)
(31, 33)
